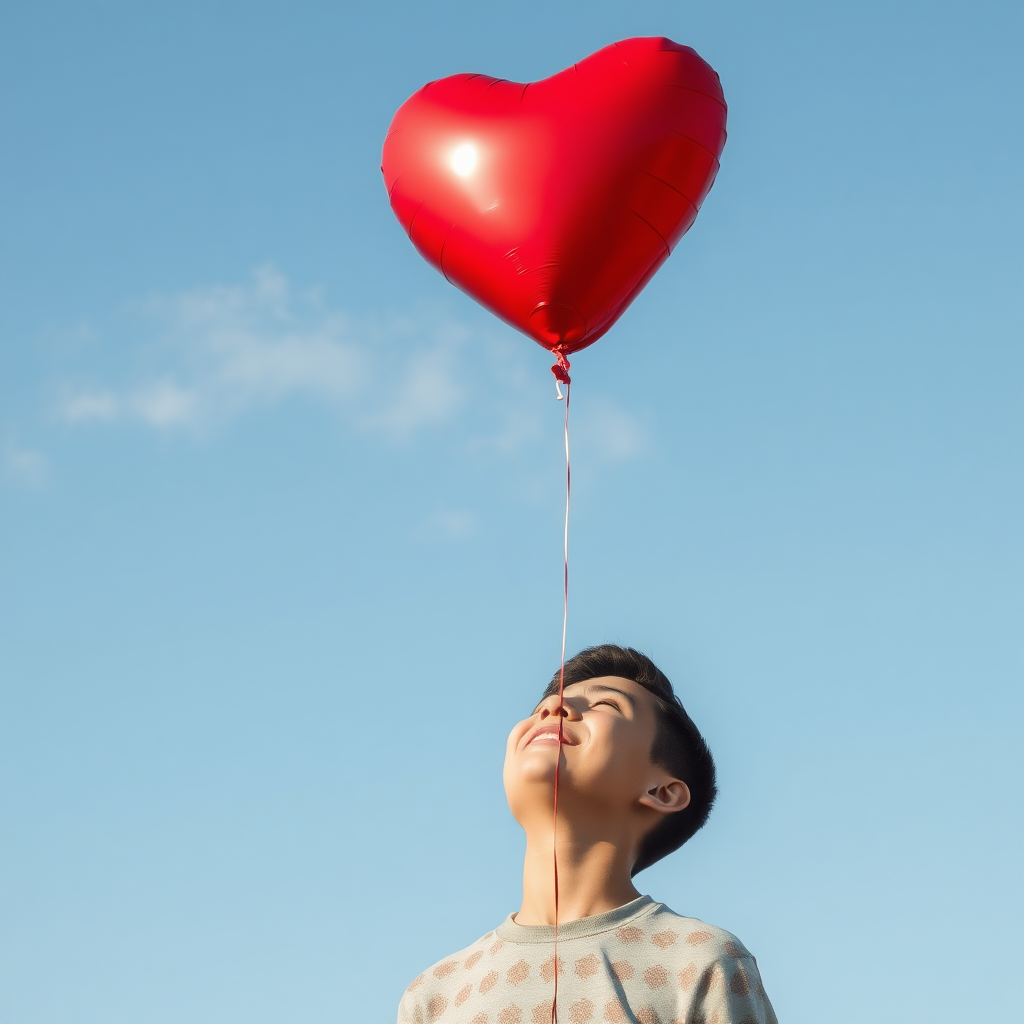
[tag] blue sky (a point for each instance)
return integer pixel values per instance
(281, 511)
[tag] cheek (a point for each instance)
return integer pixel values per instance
(519, 730)
(514, 737)
(622, 754)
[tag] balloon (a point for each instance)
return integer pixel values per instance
(553, 203)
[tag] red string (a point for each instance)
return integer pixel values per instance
(561, 372)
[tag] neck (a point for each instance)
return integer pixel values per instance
(593, 875)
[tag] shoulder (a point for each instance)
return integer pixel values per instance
(440, 985)
(694, 947)
(667, 930)
(702, 956)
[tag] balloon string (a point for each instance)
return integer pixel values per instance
(561, 372)
(562, 363)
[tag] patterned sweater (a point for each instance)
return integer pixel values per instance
(638, 964)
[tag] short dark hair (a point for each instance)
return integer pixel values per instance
(678, 745)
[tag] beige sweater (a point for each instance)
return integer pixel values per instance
(638, 964)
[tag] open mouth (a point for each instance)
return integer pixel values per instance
(549, 736)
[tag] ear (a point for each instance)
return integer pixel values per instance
(667, 797)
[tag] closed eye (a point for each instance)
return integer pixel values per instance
(610, 704)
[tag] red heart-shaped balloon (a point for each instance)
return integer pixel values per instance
(553, 203)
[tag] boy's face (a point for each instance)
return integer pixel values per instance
(607, 735)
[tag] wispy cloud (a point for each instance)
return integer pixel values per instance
(452, 524)
(423, 391)
(161, 403)
(82, 406)
(614, 434)
(215, 353)
(23, 464)
(226, 350)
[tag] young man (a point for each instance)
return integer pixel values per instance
(636, 781)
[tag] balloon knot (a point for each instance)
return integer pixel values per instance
(561, 372)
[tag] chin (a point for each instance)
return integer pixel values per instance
(528, 773)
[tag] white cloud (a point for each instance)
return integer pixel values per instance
(164, 404)
(611, 432)
(25, 465)
(214, 353)
(160, 404)
(454, 524)
(227, 349)
(83, 406)
(519, 425)
(426, 392)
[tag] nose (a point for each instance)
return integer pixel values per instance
(552, 707)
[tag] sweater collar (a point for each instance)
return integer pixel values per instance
(510, 931)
